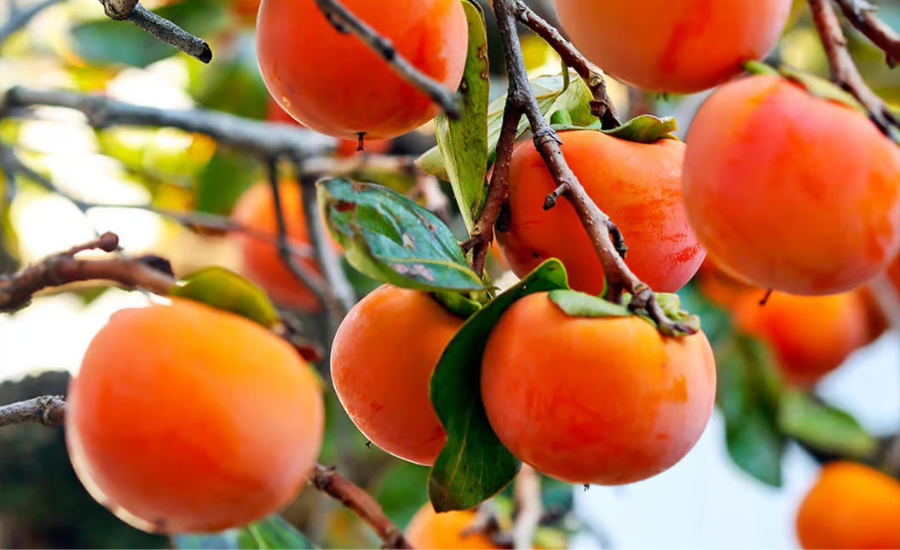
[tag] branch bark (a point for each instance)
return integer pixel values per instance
(862, 15)
(605, 236)
(20, 18)
(50, 410)
(160, 28)
(346, 22)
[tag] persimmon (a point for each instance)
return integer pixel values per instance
(810, 335)
(637, 185)
(333, 83)
(445, 531)
(261, 261)
(345, 147)
(789, 191)
(605, 401)
(381, 363)
(850, 506)
(720, 288)
(185, 418)
(681, 47)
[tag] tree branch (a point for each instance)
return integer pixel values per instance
(51, 411)
(527, 492)
(346, 22)
(602, 105)
(162, 29)
(844, 71)
(861, 15)
(262, 139)
(20, 18)
(605, 236)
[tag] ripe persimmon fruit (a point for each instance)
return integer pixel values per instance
(720, 288)
(604, 401)
(185, 418)
(381, 363)
(850, 506)
(449, 530)
(666, 46)
(260, 259)
(789, 191)
(810, 335)
(345, 147)
(637, 185)
(333, 83)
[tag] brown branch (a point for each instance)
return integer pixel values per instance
(51, 411)
(862, 15)
(160, 28)
(602, 105)
(844, 71)
(149, 272)
(603, 233)
(346, 22)
(527, 492)
(18, 19)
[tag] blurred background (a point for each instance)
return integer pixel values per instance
(706, 501)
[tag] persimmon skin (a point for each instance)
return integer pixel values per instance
(791, 192)
(594, 401)
(169, 412)
(637, 185)
(381, 363)
(428, 529)
(334, 84)
(260, 259)
(810, 335)
(850, 506)
(721, 289)
(686, 46)
(345, 147)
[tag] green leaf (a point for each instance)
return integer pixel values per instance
(226, 540)
(474, 465)
(228, 291)
(748, 395)
(822, 88)
(645, 129)
(824, 427)
(463, 142)
(108, 42)
(579, 304)
(460, 305)
(222, 181)
(760, 68)
(232, 83)
(272, 533)
(392, 239)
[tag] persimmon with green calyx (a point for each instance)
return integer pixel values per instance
(261, 261)
(450, 530)
(790, 191)
(335, 84)
(185, 418)
(638, 185)
(810, 335)
(671, 46)
(381, 363)
(601, 400)
(850, 506)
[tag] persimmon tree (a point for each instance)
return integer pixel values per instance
(588, 369)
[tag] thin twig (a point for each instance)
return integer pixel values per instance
(345, 21)
(51, 411)
(527, 492)
(862, 15)
(160, 28)
(251, 136)
(605, 236)
(602, 105)
(844, 71)
(20, 18)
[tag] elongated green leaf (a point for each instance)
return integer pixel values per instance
(748, 395)
(579, 304)
(823, 427)
(463, 142)
(645, 129)
(392, 239)
(228, 291)
(474, 465)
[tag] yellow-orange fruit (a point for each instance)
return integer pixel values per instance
(720, 288)
(445, 531)
(260, 259)
(637, 185)
(810, 335)
(381, 363)
(335, 84)
(606, 401)
(345, 147)
(678, 46)
(185, 418)
(789, 191)
(850, 506)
